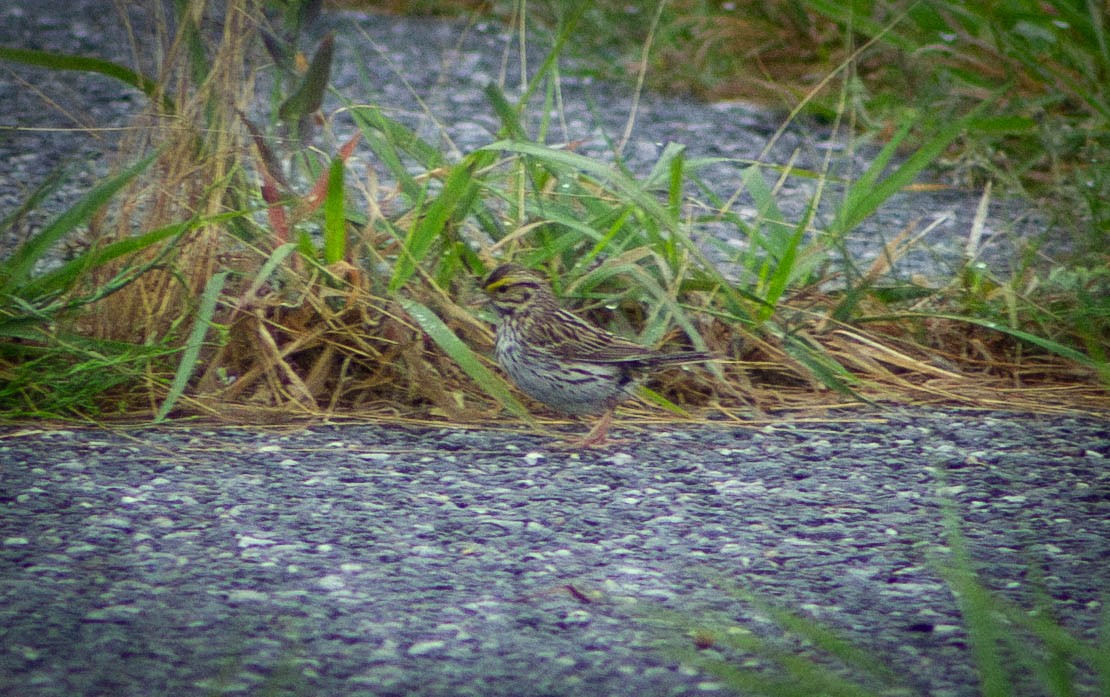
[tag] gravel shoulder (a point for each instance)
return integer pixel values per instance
(391, 561)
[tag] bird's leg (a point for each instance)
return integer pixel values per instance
(597, 435)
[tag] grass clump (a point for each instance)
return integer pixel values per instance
(240, 269)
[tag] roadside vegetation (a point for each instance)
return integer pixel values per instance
(234, 267)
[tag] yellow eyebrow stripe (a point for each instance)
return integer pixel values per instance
(498, 283)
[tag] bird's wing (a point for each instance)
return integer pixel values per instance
(571, 338)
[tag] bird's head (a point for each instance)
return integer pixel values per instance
(513, 289)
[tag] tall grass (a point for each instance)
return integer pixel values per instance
(248, 273)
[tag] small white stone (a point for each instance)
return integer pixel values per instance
(422, 647)
(332, 582)
(248, 541)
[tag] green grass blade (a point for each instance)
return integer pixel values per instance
(784, 672)
(831, 374)
(561, 158)
(511, 126)
(868, 193)
(199, 64)
(660, 297)
(652, 397)
(64, 375)
(466, 359)
(21, 315)
(275, 260)
(193, 344)
(335, 219)
(390, 140)
(816, 633)
(984, 631)
(22, 320)
(64, 61)
(631, 193)
(1046, 344)
(861, 198)
(779, 240)
(1102, 655)
(626, 188)
(63, 277)
(48, 186)
(15, 270)
(567, 25)
(740, 681)
(848, 14)
(784, 271)
(309, 96)
(454, 202)
(671, 164)
(829, 641)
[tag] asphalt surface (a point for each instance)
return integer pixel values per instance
(371, 560)
(375, 560)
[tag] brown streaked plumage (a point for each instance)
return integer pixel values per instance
(560, 359)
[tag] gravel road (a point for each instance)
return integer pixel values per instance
(370, 560)
(386, 561)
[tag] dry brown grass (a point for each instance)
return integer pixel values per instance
(199, 144)
(290, 360)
